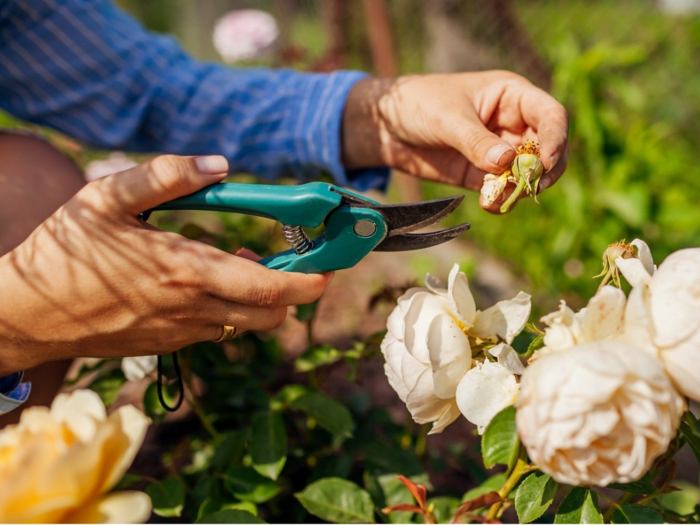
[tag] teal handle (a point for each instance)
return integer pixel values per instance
(342, 245)
(303, 205)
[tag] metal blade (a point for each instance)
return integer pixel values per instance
(401, 218)
(416, 241)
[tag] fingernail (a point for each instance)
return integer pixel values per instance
(211, 164)
(497, 153)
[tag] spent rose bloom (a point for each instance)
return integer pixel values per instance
(244, 34)
(663, 316)
(598, 413)
(57, 465)
(602, 318)
(427, 348)
(138, 367)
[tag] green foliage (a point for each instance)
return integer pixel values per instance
(338, 501)
(268, 444)
(167, 496)
(107, 385)
(500, 444)
(631, 513)
(579, 506)
(329, 414)
(690, 429)
(230, 516)
(534, 496)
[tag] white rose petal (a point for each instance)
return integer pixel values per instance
(598, 413)
(639, 269)
(484, 391)
(136, 368)
(507, 357)
(505, 319)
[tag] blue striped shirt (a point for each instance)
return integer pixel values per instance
(89, 70)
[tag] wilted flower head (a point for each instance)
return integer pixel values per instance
(428, 344)
(57, 465)
(663, 316)
(596, 414)
(244, 34)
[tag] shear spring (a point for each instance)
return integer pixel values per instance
(296, 238)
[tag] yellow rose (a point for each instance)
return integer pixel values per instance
(57, 465)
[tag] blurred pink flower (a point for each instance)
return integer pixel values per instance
(114, 163)
(244, 34)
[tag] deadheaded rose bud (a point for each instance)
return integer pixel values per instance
(615, 251)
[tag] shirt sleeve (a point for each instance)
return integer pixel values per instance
(92, 72)
(13, 392)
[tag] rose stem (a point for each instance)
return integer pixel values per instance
(521, 468)
(513, 196)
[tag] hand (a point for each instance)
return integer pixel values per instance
(452, 128)
(94, 280)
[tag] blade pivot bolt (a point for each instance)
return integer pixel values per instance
(365, 228)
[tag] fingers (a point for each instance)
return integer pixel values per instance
(548, 117)
(241, 280)
(159, 180)
(484, 149)
(243, 317)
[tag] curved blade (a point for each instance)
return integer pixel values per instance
(401, 218)
(416, 241)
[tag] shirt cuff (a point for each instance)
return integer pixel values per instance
(13, 392)
(323, 124)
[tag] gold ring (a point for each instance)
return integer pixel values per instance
(228, 333)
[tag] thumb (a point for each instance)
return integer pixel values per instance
(159, 180)
(483, 149)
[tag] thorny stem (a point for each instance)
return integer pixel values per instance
(522, 467)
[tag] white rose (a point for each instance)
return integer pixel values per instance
(597, 414)
(489, 387)
(602, 318)
(663, 316)
(427, 348)
(639, 268)
(136, 368)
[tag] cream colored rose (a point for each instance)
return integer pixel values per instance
(136, 368)
(58, 465)
(427, 347)
(489, 387)
(602, 318)
(663, 316)
(596, 414)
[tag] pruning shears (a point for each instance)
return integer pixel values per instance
(354, 225)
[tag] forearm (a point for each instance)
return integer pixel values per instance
(361, 133)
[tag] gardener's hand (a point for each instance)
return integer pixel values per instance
(94, 280)
(452, 128)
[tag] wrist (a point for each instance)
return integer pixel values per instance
(17, 350)
(362, 128)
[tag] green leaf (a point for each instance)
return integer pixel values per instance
(494, 483)
(690, 428)
(167, 496)
(444, 508)
(338, 501)
(108, 385)
(247, 485)
(579, 506)
(381, 458)
(642, 486)
(683, 500)
(499, 444)
(151, 403)
(214, 504)
(317, 356)
(268, 444)
(534, 496)
(229, 450)
(329, 414)
(632, 513)
(230, 516)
